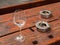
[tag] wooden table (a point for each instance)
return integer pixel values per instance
(9, 31)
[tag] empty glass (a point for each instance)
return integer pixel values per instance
(19, 21)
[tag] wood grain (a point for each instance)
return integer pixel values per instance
(7, 27)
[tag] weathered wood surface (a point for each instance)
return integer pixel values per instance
(8, 31)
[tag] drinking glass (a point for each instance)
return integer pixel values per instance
(19, 21)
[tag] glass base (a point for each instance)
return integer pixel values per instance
(20, 38)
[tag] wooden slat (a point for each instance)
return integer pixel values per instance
(7, 4)
(30, 36)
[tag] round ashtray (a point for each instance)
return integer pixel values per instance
(42, 26)
(46, 13)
